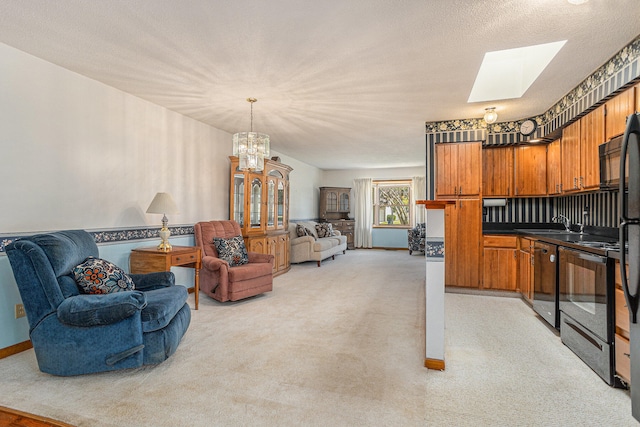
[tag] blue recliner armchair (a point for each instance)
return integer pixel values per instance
(75, 333)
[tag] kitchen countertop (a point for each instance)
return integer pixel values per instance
(556, 234)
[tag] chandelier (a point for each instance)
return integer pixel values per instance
(251, 147)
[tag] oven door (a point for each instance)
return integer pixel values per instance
(583, 290)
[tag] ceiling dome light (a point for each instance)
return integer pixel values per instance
(490, 115)
(577, 1)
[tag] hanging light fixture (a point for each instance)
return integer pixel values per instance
(251, 147)
(490, 115)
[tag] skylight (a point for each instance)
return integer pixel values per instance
(507, 74)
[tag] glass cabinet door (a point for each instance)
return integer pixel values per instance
(238, 199)
(255, 203)
(332, 201)
(344, 202)
(271, 202)
(281, 204)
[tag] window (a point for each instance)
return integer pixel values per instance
(392, 203)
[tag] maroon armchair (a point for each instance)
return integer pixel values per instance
(221, 281)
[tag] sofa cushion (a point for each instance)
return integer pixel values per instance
(324, 229)
(321, 245)
(232, 250)
(99, 276)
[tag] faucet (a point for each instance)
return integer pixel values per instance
(564, 220)
(585, 214)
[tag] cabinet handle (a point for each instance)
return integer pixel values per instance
(581, 182)
(575, 182)
(178, 259)
(627, 354)
(460, 193)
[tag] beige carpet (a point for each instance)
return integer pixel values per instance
(339, 345)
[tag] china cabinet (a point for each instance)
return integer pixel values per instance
(259, 202)
(335, 205)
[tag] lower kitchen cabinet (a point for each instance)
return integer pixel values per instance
(500, 262)
(525, 268)
(622, 349)
(463, 243)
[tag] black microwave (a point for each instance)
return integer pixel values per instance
(610, 164)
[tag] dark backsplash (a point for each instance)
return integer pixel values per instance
(603, 209)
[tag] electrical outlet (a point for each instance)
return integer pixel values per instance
(20, 311)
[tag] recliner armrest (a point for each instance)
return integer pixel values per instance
(151, 281)
(95, 310)
(212, 263)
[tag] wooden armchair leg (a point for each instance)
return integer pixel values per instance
(318, 263)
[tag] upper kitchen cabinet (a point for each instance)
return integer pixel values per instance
(554, 168)
(617, 110)
(530, 170)
(497, 172)
(591, 136)
(570, 144)
(458, 170)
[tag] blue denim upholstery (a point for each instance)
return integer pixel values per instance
(416, 238)
(74, 333)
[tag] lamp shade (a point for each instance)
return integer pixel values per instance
(163, 203)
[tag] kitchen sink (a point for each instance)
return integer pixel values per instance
(547, 231)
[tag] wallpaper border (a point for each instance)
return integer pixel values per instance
(622, 70)
(103, 236)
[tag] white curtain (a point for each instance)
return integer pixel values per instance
(363, 211)
(418, 192)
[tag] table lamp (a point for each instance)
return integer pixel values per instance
(163, 204)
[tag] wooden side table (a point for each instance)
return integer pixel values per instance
(150, 259)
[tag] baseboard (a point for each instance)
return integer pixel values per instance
(436, 364)
(14, 349)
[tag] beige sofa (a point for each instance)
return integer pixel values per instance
(314, 248)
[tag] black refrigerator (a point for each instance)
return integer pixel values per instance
(630, 233)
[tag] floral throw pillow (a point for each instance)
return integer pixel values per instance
(301, 230)
(324, 229)
(232, 250)
(99, 276)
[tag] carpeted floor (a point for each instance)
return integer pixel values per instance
(339, 345)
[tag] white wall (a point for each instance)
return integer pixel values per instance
(304, 184)
(79, 154)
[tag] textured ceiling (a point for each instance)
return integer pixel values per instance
(340, 83)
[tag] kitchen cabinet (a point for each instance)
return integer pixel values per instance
(458, 170)
(554, 168)
(259, 203)
(500, 262)
(463, 243)
(497, 172)
(621, 338)
(530, 170)
(570, 144)
(591, 136)
(617, 109)
(525, 268)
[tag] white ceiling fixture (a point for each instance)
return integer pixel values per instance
(507, 74)
(577, 2)
(490, 115)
